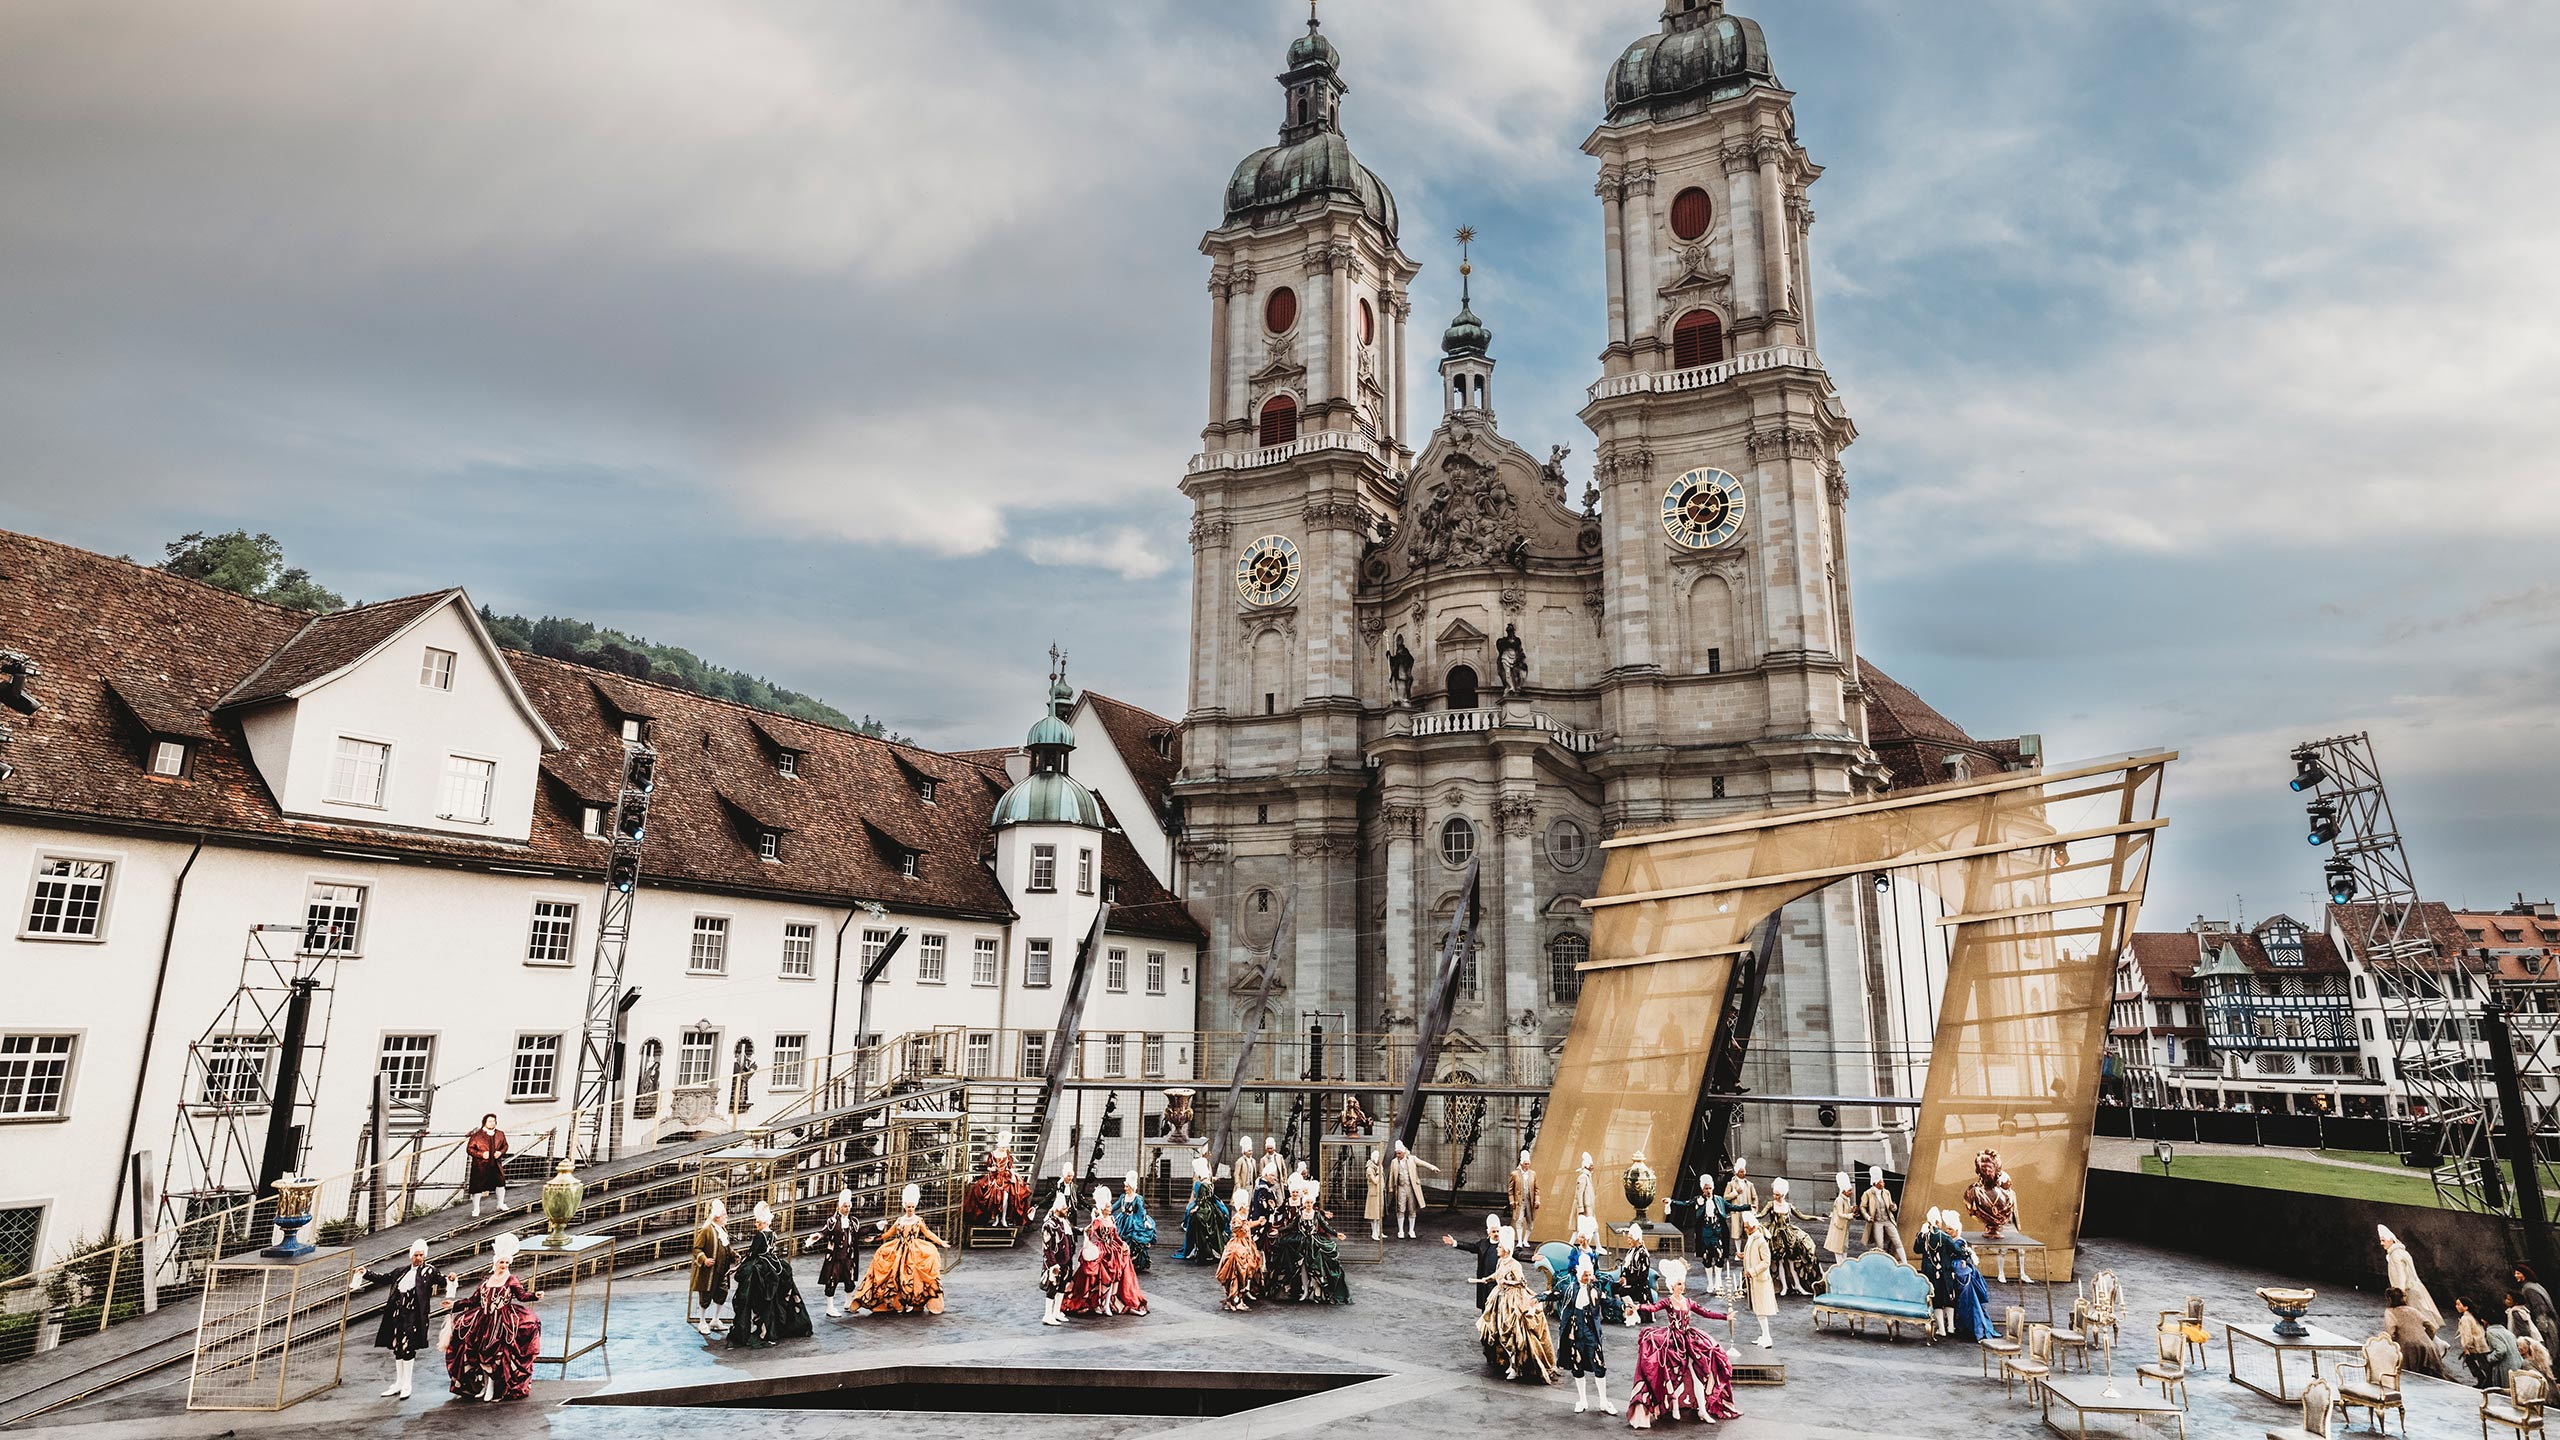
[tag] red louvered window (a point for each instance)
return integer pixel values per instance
(1279, 420)
(1697, 340)
(1280, 311)
(1690, 213)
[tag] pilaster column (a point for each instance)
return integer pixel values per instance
(1772, 205)
(1803, 214)
(1636, 221)
(1219, 344)
(1244, 321)
(1611, 191)
(1401, 966)
(1516, 815)
(1742, 222)
(1343, 266)
(1316, 329)
(1402, 305)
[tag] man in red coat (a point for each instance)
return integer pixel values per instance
(487, 1150)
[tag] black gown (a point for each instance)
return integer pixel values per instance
(766, 1301)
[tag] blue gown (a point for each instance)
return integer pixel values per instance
(1129, 1216)
(1972, 1295)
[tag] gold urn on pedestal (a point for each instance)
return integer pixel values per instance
(560, 1196)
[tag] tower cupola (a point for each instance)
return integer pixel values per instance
(1312, 159)
(1466, 361)
(1048, 795)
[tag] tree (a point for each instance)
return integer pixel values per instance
(251, 565)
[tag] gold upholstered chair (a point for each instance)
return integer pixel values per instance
(2170, 1370)
(2371, 1382)
(2319, 1412)
(2010, 1341)
(2191, 1331)
(2035, 1366)
(2516, 1406)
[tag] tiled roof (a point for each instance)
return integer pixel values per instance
(1134, 733)
(327, 644)
(2354, 920)
(1914, 740)
(183, 646)
(2165, 957)
(157, 709)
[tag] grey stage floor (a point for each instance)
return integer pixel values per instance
(1411, 1322)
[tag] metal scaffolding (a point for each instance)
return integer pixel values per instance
(252, 1077)
(600, 1042)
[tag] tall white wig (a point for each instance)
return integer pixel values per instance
(1675, 1272)
(1778, 1186)
(911, 1196)
(763, 1213)
(505, 1248)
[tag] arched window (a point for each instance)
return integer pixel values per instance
(1564, 952)
(1280, 311)
(644, 1086)
(1690, 212)
(1279, 419)
(1457, 841)
(742, 1064)
(1368, 324)
(1697, 340)
(1462, 687)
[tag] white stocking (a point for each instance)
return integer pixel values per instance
(475, 1204)
(1600, 1384)
(1765, 1342)
(1581, 1395)
(502, 1197)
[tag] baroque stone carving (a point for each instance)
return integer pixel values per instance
(1403, 820)
(1551, 474)
(1793, 441)
(1516, 814)
(1373, 628)
(1309, 847)
(1838, 479)
(1595, 600)
(1206, 533)
(1737, 158)
(1468, 518)
(1334, 515)
(1515, 598)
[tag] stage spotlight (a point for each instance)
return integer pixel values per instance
(633, 818)
(2342, 881)
(16, 673)
(1884, 882)
(2324, 822)
(2307, 771)
(622, 872)
(641, 771)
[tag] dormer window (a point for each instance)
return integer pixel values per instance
(591, 821)
(169, 758)
(925, 789)
(1110, 892)
(909, 862)
(635, 730)
(435, 672)
(769, 845)
(788, 763)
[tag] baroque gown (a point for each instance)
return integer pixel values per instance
(906, 1271)
(766, 1302)
(1513, 1327)
(1105, 1281)
(494, 1337)
(1204, 1225)
(1679, 1367)
(1790, 1247)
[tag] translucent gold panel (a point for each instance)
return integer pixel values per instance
(1627, 1081)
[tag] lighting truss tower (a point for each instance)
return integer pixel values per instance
(237, 1105)
(2424, 991)
(599, 1044)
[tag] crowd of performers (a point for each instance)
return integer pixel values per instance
(1273, 1238)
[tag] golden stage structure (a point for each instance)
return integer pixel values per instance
(2041, 873)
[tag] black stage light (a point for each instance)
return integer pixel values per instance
(2307, 771)
(2342, 881)
(1884, 882)
(622, 872)
(640, 772)
(16, 673)
(2324, 822)
(633, 818)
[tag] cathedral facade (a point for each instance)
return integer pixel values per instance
(1414, 648)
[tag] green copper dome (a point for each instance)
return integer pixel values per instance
(1312, 159)
(1701, 55)
(1048, 797)
(1466, 335)
(1049, 730)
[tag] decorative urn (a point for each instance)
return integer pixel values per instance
(2289, 1303)
(294, 1197)
(1177, 1115)
(560, 1196)
(1641, 1188)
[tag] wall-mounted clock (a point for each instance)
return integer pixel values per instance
(1702, 509)
(1267, 572)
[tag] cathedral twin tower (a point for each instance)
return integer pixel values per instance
(1410, 651)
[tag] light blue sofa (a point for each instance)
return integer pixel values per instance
(1874, 1286)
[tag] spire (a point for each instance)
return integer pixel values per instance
(1466, 334)
(1314, 83)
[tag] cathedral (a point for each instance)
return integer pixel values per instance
(1414, 648)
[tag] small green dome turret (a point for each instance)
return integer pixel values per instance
(1049, 795)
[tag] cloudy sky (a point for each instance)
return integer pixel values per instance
(2206, 356)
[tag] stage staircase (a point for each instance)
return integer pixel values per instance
(1011, 1109)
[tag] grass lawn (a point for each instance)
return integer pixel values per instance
(2409, 1187)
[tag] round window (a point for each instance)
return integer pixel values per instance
(1280, 311)
(1457, 842)
(1568, 844)
(1690, 212)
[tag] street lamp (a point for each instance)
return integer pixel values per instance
(2160, 1151)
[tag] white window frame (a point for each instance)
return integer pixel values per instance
(1044, 869)
(1084, 870)
(769, 846)
(1038, 956)
(925, 789)
(168, 758)
(787, 764)
(462, 773)
(591, 822)
(686, 1052)
(401, 1044)
(1151, 1056)
(1115, 969)
(352, 946)
(978, 1054)
(790, 1067)
(1115, 1055)
(30, 1057)
(231, 1072)
(712, 958)
(1155, 972)
(349, 768)
(552, 920)
(534, 1072)
(873, 942)
(933, 959)
(800, 950)
(910, 864)
(986, 964)
(634, 731)
(1035, 1053)
(72, 888)
(435, 669)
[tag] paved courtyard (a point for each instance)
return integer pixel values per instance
(1410, 1325)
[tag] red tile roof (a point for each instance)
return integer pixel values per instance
(177, 647)
(1135, 733)
(1914, 740)
(2434, 919)
(326, 644)
(2166, 958)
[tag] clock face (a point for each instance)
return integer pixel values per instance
(1702, 509)
(1267, 572)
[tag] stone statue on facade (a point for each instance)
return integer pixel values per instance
(1552, 473)
(1511, 658)
(1400, 672)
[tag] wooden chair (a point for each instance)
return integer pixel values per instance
(2073, 1339)
(2171, 1368)
(2371, 1382)
(2035, 1366)
(2010, 1340)
(2517, 1407)
(2191, 1331)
